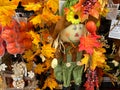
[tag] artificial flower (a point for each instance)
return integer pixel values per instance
(53, 5)
(3, 67)
(31, 74)
(116, 63)
(36, 38)
(7, 11)
(39, 68)
(27, 55)
(36, 19)
(48, 51)
(85, 60)
(88, 43)
(73, 17)
(50, 82)
(32, 6)
(98, 59)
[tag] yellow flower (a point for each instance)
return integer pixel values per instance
(48, 51)
(73, 17)
(50, 82)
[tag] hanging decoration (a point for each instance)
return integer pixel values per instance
(38, 47)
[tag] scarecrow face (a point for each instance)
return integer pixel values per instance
(72, 33)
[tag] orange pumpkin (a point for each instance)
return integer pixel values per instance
(27, 43)
(12, 48)
(21, 48)
(2, 50)
(23, 26)
(9, 35)
(11, 25)
(21, 36)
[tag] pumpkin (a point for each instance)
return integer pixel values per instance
(12, 48)
(23, 26)
(27, 43)
(11, 25)
(2, 50)
(21, 36)
(21, 48)
(9, 35)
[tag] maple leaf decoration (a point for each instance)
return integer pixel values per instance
(50, 82)
(48, 51)
(88, 43)
(32, 6)
(98, 59)
(7, 10)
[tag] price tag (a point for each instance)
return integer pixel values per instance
(113, 11)
(114, 29)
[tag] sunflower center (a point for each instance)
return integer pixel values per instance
(76, 16)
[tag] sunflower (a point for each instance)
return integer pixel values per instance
(73, 17)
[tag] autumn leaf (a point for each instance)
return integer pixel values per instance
(98, 59)
(35, 37)
(53, 5)
(29, 66)
(36, 19)
(50, 82)
(88, 43)
(27, 55)
(48, 51)
(85, 60)
(7, 11)
(25, 2)
(48, 16)
(32, 6)
(39, 68)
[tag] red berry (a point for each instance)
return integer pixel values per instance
(91, 26)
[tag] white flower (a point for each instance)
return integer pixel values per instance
(3, 67)
(115, 63)
(54, 63)
(78, 63)
(68, 64)
(31, 74)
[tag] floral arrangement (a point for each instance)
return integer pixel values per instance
(29, 41)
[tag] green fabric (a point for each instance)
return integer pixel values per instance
(77, 74)
(65, 74)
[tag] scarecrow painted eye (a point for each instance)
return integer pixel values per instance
(75, 27)
(80, 27)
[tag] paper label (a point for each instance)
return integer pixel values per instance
(113, 11)
(115, 29)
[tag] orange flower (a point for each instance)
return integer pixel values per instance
(88, 43)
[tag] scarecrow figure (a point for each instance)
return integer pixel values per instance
(67, 67)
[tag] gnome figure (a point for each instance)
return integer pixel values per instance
(67, 68)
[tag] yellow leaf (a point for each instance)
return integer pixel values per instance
(33, 6)
(7, 11)
(36, 20)
(53, 5)
(48, 51)
(39, 68)
(50, 82)
(27, 55)
(98, 59)
(85, 60)
(35, 37)
(29, 66)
